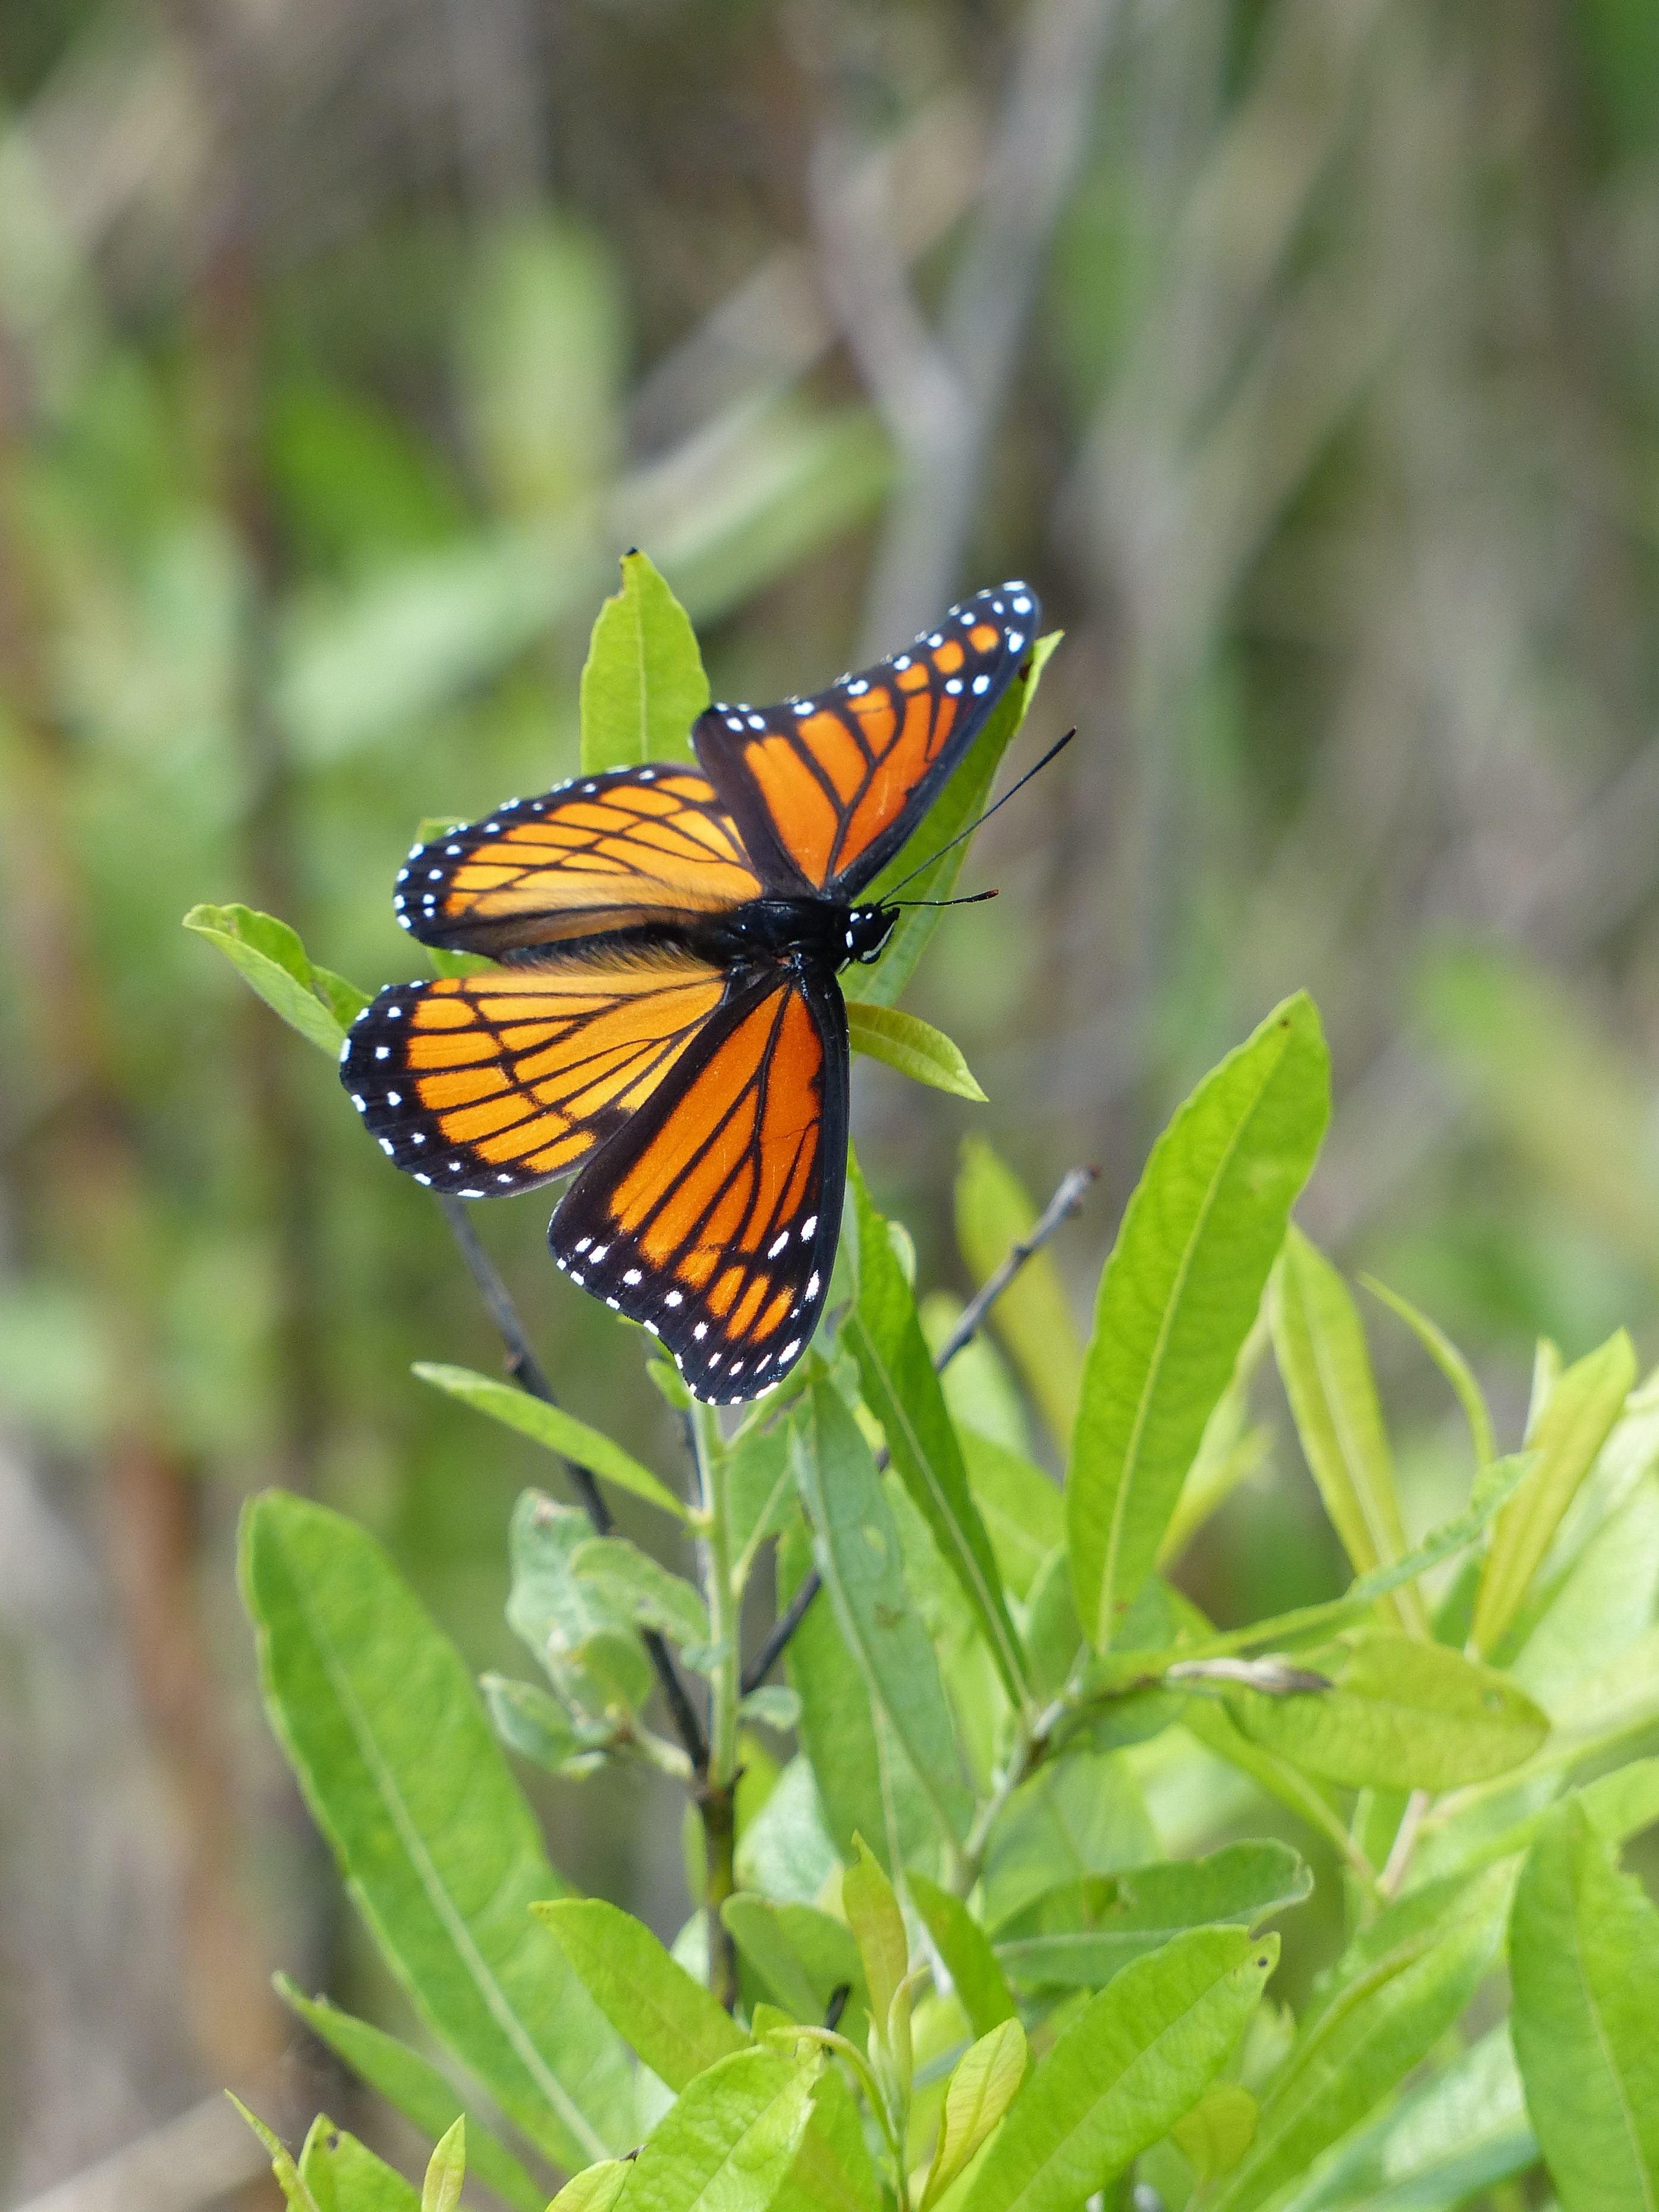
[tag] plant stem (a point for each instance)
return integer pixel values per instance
(717, 1797)
(526, 1371)
(1073, 1188)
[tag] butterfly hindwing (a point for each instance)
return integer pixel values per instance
(825, 790)
(602, 852)
(490, 1084)
(711, 1216)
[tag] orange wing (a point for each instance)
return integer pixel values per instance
(712, 1217)
(490, 1084)
(825, 790)
(605, 853)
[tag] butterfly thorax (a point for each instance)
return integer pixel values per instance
(825, 932)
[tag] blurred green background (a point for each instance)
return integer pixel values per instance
(1303, 353)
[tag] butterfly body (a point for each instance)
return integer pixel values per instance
(665, 1018)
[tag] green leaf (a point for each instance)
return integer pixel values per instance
(902, 1390)
(964, 798)
(1381, 2018)
(1584, 1959)
(1138, 2056)
(1326, 1372)
(803, 1955)
(595, 2188)
(1080, 1933)
(1229, 1452)
(1033, 1317)
(677, 2027)
(728, 2141)
(416, 2088)
(1217, 2131)
(864, 1783)
(1401, 1714)
(914, 1047)
(643, 686)
(857, 1549)
(560, 1431)
(380, 1720)
(965, 1949)
(295, 2190)
(1023, 1510)
(343, 2176)
(1452, 1365)
(314, 1000)
(1576, 1418)
(541, 1728)
(1179, 1294)
(589, 1645)
(877, 1925)
(1077, 1816)
(1462, 2130)
(643, 1589)
(978, 2093)
(446, 2169)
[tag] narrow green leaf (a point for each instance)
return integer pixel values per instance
(1080, 1933)
(540, 1727)
(877, 1925)
(446, 2169)
(1584, 1958)
(677, 2026)
(865, 1784)
(379, 1718)
(270, 955)
(1178, 1295)
(902, 1390)
(595, 2188)
(1380, 2021)
(1400, 1714)
(803, 1955)
(1229, 1452)
(965, 1949)
(728, 2141)
(1033, 1317)
(1023, 1509)
(857, 1548)
(1575, 1423)
(1138, 2056)
(978, 2093)
(1452, 1365)
(1326, 1372)
(643, 686)
(345, 2176)
(1462, 2130)
(1217, 2131)
(914, 1047)
(550, 1425)
(417, 2089)
(295, 2190)
(962, 798)
(589, 1645)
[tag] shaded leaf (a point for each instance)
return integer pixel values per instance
(877, 1925)
(1217, 2131)
(1178, 1295)
(802, 1954)
(295, 2191)
(540, 1727)
(1078, 1815)
(643, 1589)
(551, 1426)
(1023, 1510)
(1033, 1317)
(965, 1948)
(1452, 1365)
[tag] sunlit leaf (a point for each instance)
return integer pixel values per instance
(914, 1047)
(643, 686)
(727, 2142)
(669, 2018)
(551, 1426)
(270, 955)
(345, 2176)
(978, 2093)
(446, 2171)
(965, 1949)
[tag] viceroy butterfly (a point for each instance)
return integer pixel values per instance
(665, 1015)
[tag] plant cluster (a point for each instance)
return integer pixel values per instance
(952, 1948)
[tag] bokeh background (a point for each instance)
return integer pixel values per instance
(1304, 355)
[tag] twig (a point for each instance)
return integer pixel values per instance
(1074, 1188)
(526, 1371)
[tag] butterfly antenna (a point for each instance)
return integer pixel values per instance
(1054, 750)
(972, 898)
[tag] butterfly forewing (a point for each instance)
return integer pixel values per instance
(489, 1084)
(605, 853)
(825, 790)
(712, 1217)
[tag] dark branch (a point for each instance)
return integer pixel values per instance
(526, 1371)
(1067, 1201)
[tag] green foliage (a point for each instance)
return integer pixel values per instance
(912, 1046)
(995, 1939)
